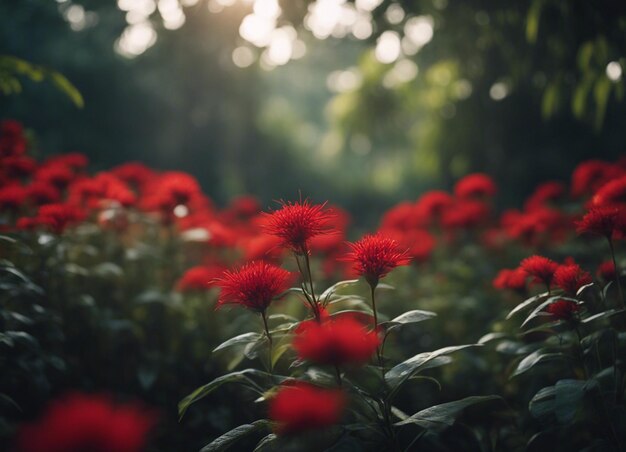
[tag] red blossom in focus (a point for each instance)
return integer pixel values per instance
(589, 176)
(570, 278)
(604, 221)
(541, 268)
(80, 423)
(254, 285)
(606, 271)
(297, 223)
(563, 309)
(513, 279)
(374, 256)
(198, 279)
(338, 341)
(477, 185)
(300, 406)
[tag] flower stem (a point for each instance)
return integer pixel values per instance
(269, 338)
(617, 281)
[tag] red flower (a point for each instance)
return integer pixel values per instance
(513, 279)
(418, 243)
(432, 204)
(570, 278)
(134, 173)
(589, 176)
(12, 140)
(545, 194)
(57, 217)
(74, 160)
(12, 197)
(602, 221)
(613, 193)
(55, 174)
(17, 166)
(541, 268)
(300, 406)
(335, 341)
(296, 223)
(198, 279)
(254, 285)
(465, 214)
(80, 422)
(402, 216)
(477, 185)
(606, 271)
(374, 256)
(563, 309)
(40, 193)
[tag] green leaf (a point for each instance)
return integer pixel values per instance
(243, 377)
(527, 304)
(491, 337)
(229, 438)
(536, 357)
(538, 311)
(244, 338)
(532, 20)
(561, 400)
(440, 417)
(266, 443)
(408, 317)
(601, 93)
(401, 372)
(325, 296)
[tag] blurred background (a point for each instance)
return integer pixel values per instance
(364, 103)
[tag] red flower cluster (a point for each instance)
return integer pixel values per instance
(336, 342)
(79, 423)
(540, 268)
(513, 279)
(374, 256)
(53, 217)
(563, 309)
(12, 139)
(297, 223)
(604, 221)
(570, 278)
(606, 271)
(299, 407)
(254, 285)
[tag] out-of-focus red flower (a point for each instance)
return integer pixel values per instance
(540, 268)
(74, 160)
(402, 216)
(12, 197)
(17, 166)
(297, 223)
(545, 194)
(418, 243)
(465, 215)
(606, 271)
(261, 247)
(40, 193)
(570, 278)
(299, 407)
(536, 226)
(336, 342)
(612, 194)
(513, 279)
(134, 174)
(80, 422)
(12, 139)
(477, 185)
(254, 285)
(244, 207)
(199, 279)
(563, 309)
(100, 191)
(589, 176)
(57, 217)
(604, 221)
(58, 175)
(431, 206)
(374, 256)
